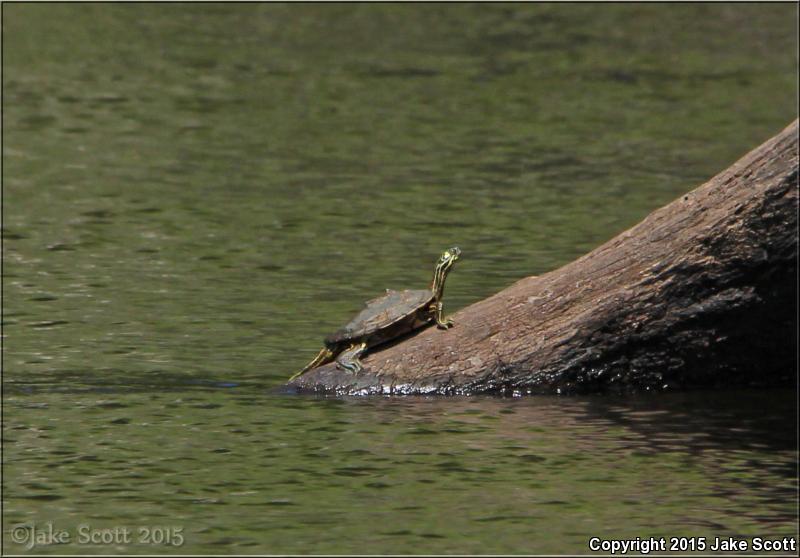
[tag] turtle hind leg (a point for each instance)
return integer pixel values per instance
(348, 359)
(323, 357)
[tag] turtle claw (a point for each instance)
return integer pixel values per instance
(447, 324)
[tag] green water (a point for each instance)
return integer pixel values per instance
(194, 195)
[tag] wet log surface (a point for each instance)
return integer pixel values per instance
(701, 293)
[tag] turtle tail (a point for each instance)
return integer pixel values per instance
(323, 357)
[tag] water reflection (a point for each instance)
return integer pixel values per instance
(365, 474)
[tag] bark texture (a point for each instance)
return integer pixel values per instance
(700, 293)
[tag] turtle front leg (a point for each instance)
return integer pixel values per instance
(349, 358)
(438, 315)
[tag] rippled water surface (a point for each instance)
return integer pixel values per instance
(194, 195)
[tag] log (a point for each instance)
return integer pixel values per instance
(702, 293)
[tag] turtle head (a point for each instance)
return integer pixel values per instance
(448, 258)
(443, 266)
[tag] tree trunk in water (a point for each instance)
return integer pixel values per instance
(701, 293)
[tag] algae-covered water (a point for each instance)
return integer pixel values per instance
(194, 195)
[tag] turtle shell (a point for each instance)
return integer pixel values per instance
(381, 313)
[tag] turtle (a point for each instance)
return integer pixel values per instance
(387, 317)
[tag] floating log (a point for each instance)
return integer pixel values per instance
(702, 293)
